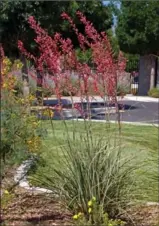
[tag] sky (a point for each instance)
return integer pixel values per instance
(107, 2)
(114, 17)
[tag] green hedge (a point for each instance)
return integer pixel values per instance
(154, 92)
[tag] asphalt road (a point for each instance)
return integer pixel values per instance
(131, 111)
(134, 111)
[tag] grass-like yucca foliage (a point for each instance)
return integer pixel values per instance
(91, 166)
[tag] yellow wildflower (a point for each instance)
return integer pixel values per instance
(51, 114)
(94, 199)
(48, 112)
(75, 217)
(21, 100)
(35, 124)
(4, 71)
(29, 141)
(19, 65)
(6, 192)
(90, 203)
(79, 214)
(5, 85)
(6, 61)
(14, 91)
(31, 98)
(34, 144)
(89, 210)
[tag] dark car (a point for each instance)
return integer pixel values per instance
(96, 108)
(59, 110)
(64, 103)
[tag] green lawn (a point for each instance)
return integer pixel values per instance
(141, 141)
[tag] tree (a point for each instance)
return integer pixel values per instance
(14, 15)
(138, 33)
(114, 42)
(14, 26)
(138, 30)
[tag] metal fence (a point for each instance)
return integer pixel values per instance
(133, 68)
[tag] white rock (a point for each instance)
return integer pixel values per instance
(21, 178)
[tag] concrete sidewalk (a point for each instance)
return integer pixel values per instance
(122, 122)
(141, 98)
(125, 98)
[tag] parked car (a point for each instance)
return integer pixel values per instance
(64, 103)
(95, 108)
(55, 109)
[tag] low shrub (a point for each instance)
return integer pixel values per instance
(154, 92)
(122, 90)
(47, 92)
(69, 88)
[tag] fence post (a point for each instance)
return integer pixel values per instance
(152, 78)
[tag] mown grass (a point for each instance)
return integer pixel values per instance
(138, 141)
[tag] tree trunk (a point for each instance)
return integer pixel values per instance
(25, 78)
(146, 74)
(39, 93)
(25, 88)
(0, 68)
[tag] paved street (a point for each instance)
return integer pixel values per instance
(134, 111)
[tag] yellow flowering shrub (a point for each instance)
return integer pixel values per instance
(34, 143)
(48, 113)
(8, 79)
(21, 130)
(95, 216)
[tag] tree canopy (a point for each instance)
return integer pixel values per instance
(14, 15)
(138, 27)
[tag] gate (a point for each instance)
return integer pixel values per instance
(133, 68)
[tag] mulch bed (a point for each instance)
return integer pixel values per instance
(34, 209)
(29, 209)
(145, 215)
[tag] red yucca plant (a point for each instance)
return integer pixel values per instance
(58, 56)
(92, 168)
